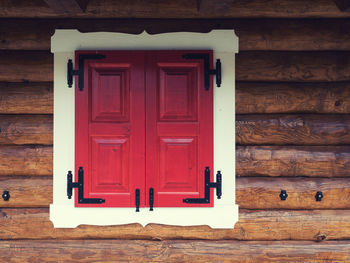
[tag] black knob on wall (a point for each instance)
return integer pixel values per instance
(319, 196)
(6, 195)
(283, 195)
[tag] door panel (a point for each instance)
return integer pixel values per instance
(144, 120)
(179, 132)
(110, 128)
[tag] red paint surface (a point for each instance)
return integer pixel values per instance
(143, 120)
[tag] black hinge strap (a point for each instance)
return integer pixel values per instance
(207, 70)
(80, 186)
(80, 72)
(137, 200)
(151, 199)
(207, 186)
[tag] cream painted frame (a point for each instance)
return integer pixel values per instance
(224, 43)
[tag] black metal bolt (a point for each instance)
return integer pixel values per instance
(283, 195)
(319, 196)
(338, 103)
(6, 195)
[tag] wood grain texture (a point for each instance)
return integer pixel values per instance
(293, 129)
(173, 251)
(26, 66)
(250, 129)
(316, 225)
(26, 160)
(292, 66)
(254, 34)
(27, 98)
(251, 193)
(177, 9)
(26, 129)
(36, 66)
(288, 161)
(291, 161)
(252, 98)
(264, 193)
(26, 191)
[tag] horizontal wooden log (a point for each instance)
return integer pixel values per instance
(264, 193)
(25, 160)
(252, 98)
(251, 193)
(26, 129)
(173, 251)
(289, 161)
(26, 66)
(19, 98)
(178, 9)
(250, 129)
(292, 66)
(317, 225)
(293, 129)
(254, 34)
(36, 66)
(311, 161)
(26, 191)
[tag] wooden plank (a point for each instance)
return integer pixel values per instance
(252, 98)
(26, 98)
(254, 34)
(36, 66)
(26, 160)
(310, 161)
(292, 129)
(178, 9)
(264, 193)
(26, 191)
(293, 66)
(173, 251)
(26, 129)
(316, 225)
(26, 66)
(251, 193)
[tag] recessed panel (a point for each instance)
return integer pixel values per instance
(178, 164)
(178, 93)
(110, 165)
(110, 94)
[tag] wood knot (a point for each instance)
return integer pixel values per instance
(320, 237)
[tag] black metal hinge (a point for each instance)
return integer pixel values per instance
(207, 186)
(80, 72)
(80, 186)
(207, 70)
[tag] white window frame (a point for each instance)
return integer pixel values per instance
(224, 44)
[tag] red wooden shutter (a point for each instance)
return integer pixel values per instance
(179, 128)
(110, 128)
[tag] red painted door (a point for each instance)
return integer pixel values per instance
(143, 120)
(179, 128)
(110, 128)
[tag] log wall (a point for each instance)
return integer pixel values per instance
(293, 134)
